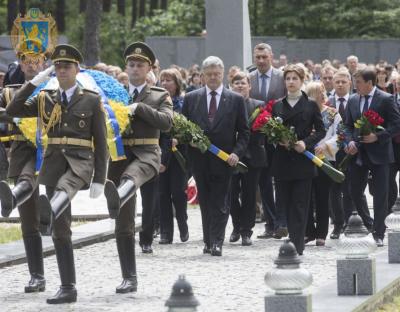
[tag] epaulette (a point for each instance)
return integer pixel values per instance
(16, 85)
(159, 89)
(90, 91)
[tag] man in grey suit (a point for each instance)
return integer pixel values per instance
(374, 151)
(267, 84)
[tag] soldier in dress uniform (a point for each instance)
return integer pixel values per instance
(22, 171)
(74, 120)
(150, 113)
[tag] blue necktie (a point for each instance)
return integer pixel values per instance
(64, 99)
(365, 107)
(264, 85)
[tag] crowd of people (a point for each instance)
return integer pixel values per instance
(280, 186)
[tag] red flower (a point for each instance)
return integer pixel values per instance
(269, 106)
(262, 118)
(374, 118)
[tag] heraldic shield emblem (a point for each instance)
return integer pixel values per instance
(34, 32)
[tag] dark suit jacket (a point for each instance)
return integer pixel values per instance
(255, 155)
(84, 118)
(305, 117)
(381, 151)
(229, 130)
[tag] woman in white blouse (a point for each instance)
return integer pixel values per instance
(317, 227)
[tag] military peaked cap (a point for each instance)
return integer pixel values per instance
(66, 53)
(139, 50)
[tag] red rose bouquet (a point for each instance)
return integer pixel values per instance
(369, 122)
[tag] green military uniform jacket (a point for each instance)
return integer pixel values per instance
(84, 118)
(153, 113)
(21, 152)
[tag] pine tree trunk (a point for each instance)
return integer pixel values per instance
(142, 8)
(106, 5)
(134, 13)
(82, 6)
(12, 10)
(91, 40)
(60, 15)
(121, 7)
(164, 5)
(153, 6)
(22, 7)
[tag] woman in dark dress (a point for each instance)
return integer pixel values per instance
(173, 179)
(292, 171)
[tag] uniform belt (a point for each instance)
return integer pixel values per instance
(70, 141)
(132, 142)
(18, 137)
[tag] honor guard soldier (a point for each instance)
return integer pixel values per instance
(76, 157)
(25, 193)
(150, 112)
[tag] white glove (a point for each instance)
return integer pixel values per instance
(132, 109)
(43, 76)
(16, 120)
(96, 189)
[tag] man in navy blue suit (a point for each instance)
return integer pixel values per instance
(222, 115)
(374, 151)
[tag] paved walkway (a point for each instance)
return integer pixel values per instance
(233, 282)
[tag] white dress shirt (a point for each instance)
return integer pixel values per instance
(69, 92)
(217, 97)
(337, 102)
(132, 88)
(371, 94)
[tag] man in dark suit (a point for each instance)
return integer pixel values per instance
(222, 115)
(267, 84)
(340, 199)
(244, 185)
(374, 151)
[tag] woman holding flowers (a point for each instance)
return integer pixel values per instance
(325, 149)
(173, 179)
(293, 172)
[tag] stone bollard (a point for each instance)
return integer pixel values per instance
(393, 223)
(182, 298)
(288, 281)
(356, 272)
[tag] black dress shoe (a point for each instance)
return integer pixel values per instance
(246, 240)
(35, 285)
(266, 235)
(127, 285)
(206, 249)
(216, 250)
(165, 241)
(336, 232)
(235, 236)
(65, 294)
(379, 242)
(147, 249)
(185, 237)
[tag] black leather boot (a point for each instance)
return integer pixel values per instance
(34, 255)
(65, 259)
(126, 253)
(11, 198)
(57, 204)
(117, 197)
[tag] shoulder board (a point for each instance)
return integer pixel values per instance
(90, 91)
(13, 85)
(159, 89)
(49, 90)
